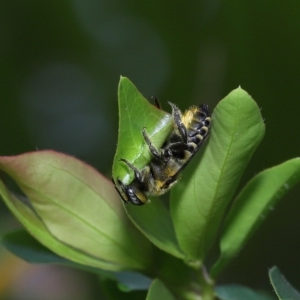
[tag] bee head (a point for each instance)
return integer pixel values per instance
(131, 193)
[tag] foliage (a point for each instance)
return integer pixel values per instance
(77, 218)
(281, 286)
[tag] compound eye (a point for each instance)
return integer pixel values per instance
(135, 196)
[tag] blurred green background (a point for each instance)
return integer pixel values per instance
(60, 63)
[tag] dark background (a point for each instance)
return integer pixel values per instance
(60, 63)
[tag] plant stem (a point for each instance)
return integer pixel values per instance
(207, 284)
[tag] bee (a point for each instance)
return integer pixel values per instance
(190, 131)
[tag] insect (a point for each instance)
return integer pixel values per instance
(190, 131)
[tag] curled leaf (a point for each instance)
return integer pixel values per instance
(136, 113)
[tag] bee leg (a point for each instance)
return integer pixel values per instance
(156, 153)
(180, 126)
(156, 102)
(137, 174)
(122, 185)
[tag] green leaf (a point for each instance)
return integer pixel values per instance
(155, 222)
(33, 224)
(23, 245)
(283, 289)
(159, 291)
(135, 113)
(79, 207)
(26, 247)
(200, 199)
(252, 205)
(132, 281)
(239, 292)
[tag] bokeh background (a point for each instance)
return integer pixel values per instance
(60, 63)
